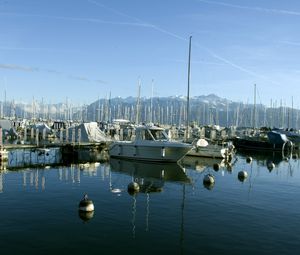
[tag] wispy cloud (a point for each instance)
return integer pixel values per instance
(100, 81)
(179, 37)
(90, 20)
(290, 43)
(80, 78)
(11, 48)
(115, 11)
(19, 68)
(198, 62)
(35, 69)
(255, 8)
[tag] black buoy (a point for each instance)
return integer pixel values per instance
(216, 167)
(270, 165)
(242, 175)
(133, 188)
(86, 205)
(249, 159)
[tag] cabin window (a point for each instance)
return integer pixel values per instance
(148, 136)
(159, 134)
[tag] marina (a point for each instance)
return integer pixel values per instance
(149, 127)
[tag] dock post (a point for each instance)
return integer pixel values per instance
(25, 134)
(121, 134)
(1, 141)
(73, 135)
(79, 135)
(67, 135)
(32, 134)
(44, 134)
(61, 137)
(37, 137)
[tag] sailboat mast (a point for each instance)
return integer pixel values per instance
(188, 90)
(138, 103)
(151, 102)
(254, 108)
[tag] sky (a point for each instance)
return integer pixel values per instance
(88, 49)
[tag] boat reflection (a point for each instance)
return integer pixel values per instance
(150, 176)
(265, 157)
(200, 163)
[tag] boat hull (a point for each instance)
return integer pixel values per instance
(247, 144)
(152, 151)
(209, 152)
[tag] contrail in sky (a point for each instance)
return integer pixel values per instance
(213, 54)
(260, 9)
(91, 20)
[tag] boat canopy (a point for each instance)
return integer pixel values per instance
(152, 133)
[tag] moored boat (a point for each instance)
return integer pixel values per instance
(274, 141)
(209, 150)
(151, 143)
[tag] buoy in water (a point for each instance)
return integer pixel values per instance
(209, 186)
(216, 167)
(249, 159)
(133, 187)
(85, 216)
(242, 175)
(270, 165)
(86, 205)
(208, 179)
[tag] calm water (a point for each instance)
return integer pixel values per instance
(173, 213)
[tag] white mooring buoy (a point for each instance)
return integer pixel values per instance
(86, 205)
(242, 175)
(208, 179)
(133, 187)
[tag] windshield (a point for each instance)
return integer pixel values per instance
(159, 134)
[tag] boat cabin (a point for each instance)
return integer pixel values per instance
(151, 133)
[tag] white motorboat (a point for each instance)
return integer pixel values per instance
(151, 143)
(204, 149)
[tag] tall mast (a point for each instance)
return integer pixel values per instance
(151, 102)
(292, 115)
(188, 91)
(254, 108)
(138, 103)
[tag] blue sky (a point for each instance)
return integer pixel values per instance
(85, 49)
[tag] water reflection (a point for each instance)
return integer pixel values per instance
(150, 176)
(263, 157)
(27, 157)
(37, 177)
(201, 163)
(85, 216)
